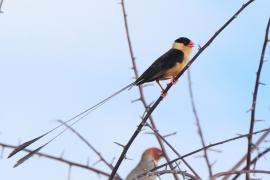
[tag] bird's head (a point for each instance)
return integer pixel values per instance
(153, 153)
(183, 43)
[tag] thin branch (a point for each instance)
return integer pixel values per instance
(69, 173)
(254, 161)
(89, 145)
(174, 150)
(254, 100)
(209, 146)
(239, 172)
(200, 132)
(153, 107)
(241, 161)
(135, 69)
(160, 173)
(59, 159)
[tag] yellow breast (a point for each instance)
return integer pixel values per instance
(175, 70)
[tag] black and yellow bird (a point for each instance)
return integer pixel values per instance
(169, 64)
(165, 67)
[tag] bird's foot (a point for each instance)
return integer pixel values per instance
(163, 93)
(173, 81)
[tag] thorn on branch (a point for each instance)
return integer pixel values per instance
(149, 133)
(112, 161)
(121, 145)
(98, 175)
(98, 161)
(264, 84)
(212, 164)
(260, 120)
(136, 100)
(69, 172)
(214, 150)
(170, 134)
(128, 158)
(62, 154)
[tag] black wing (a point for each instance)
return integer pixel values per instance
(163, 63)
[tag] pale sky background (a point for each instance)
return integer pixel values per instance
(59, 57)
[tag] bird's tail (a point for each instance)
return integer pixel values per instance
(74, 120)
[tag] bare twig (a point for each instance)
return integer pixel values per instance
(69, 172)
(160, 173)
(170, 134)
(59, 159)
(89, 145)
(174, 150)
(254, 100)
(241, 161)
(153, 107)
(254, 161)
(198, 124)
(239, 172)
(209, 146)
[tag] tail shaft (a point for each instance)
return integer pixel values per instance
(78, 117)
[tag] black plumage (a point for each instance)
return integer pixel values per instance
(157, 70)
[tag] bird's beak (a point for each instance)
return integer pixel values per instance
(191, 44)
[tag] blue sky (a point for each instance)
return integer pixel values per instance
(59, 57)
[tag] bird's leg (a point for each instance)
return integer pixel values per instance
(173, 81)
(163, 94)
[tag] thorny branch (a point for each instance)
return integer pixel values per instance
(89, 145)
(209, 146)
(60, 159)
(239, 172)
(160, 173)
(254, 161)
(142, 98)
(174, 150)
(200, 132)
(153, 107)
(243, 159)
(254, 100)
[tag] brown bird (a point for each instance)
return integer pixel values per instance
(148, 161)
(167, 66)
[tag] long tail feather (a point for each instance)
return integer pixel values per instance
(79, 116)
(24, 145)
